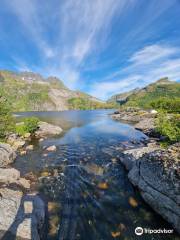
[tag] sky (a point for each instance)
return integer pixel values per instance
(101, 47)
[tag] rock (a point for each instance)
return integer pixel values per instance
(103, 186)
(133, 202)
(51, 148)
(29, 147)
(46, 129)
(156, 175)
(45, 155)
(24, 183)
(27, 135)
(146, 123)
(7, 154)
(9, 175)
(15, 141)
(116, 234)
(45, 174)
(18, 144)
(23, 152)
(12, 138)
(30, 176)
(24, 217)
(142, 120)
(41, 139)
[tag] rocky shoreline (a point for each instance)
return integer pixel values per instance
(153, 170)
(22, 209)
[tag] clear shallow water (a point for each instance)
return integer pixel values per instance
(89, 194)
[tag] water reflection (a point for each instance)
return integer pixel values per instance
(84, 176)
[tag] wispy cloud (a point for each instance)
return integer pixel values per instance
(144, 66)
(81, 28)
(152, 53)
(27, 11)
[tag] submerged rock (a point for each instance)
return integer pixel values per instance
(133, 202)
(7, 154)
(103, 186)
(29, 147)
(51, 148)
(46, 129)
(24, 217)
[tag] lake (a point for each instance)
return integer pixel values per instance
(87, 189)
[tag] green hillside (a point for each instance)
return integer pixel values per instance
(28, 91)
(144, 97)
(24, 96)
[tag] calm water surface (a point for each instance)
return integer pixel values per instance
(88, 192)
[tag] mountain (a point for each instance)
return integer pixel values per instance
(122, 96)
(28, 91)
(144, 96)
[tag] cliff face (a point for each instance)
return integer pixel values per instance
(28, 91)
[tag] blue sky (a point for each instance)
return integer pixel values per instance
(101, 47)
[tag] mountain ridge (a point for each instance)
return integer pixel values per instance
(29, 91)
(142, 97)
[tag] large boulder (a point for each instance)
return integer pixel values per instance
(156, 175)
(47, 129)
(21, 215)
(11, 175)
(7, 154)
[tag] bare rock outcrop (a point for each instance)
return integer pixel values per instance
(156, 174)
(7, 154)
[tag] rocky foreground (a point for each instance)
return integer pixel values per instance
(153, 170)
(22, 211)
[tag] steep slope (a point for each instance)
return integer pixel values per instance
(161, 88)
(29, 91)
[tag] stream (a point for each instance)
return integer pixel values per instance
(88, 193)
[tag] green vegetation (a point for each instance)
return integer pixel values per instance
(160, 92)
(7, 123)
(170, 105)
(169, 126)
(164, 96)
(29, 125)
(85, 103)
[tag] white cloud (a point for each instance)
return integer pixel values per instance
(142, 70)
(81, 29)
(106, 89)
(27, 11)
(152, 53)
